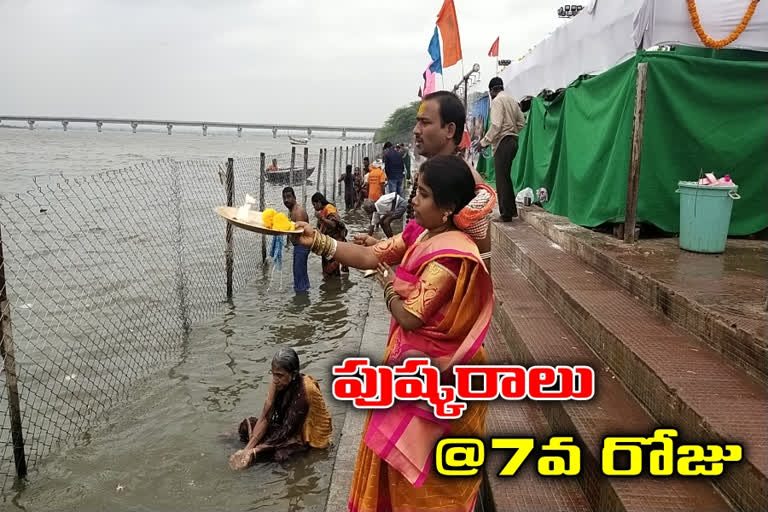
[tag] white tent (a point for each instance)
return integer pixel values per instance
(608, 32)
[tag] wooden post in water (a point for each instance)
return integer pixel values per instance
(304, 177)
(262, 203)
(229, 183)
(11, 377)
(333, 188)
(633, 181)
(293, 164)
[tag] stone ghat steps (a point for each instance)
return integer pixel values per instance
(526, 491)
(555, 309)
(742, 338)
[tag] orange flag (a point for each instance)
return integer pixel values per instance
(494, 51)
(449, 30)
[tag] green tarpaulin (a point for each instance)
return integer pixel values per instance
(701, 114)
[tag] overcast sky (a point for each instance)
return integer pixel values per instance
(284, 61)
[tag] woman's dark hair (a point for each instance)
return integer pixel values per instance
(286, 359)
(451, 111)
(450, 179)
(318, 197)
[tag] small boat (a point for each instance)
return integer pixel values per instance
(297, 141)
(283, 175)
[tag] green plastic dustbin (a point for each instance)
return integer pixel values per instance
(705, 215)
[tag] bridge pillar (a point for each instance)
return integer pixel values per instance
(99, 124)
(170, 128)
(31, 124)
(134, 126)
(343, 134)
(205, 129)
(65, 124)
(309, 133)
(239, 131)
(274, 132)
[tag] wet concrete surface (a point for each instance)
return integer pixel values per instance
(732, 285)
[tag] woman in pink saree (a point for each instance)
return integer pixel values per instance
(441, 301)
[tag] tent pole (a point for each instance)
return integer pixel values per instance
(630, 217)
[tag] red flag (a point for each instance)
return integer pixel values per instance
(449, 30)
(466, 141)
(494, 51)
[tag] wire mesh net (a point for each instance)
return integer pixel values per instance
(105, 274)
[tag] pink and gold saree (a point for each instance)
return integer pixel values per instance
(444, 282)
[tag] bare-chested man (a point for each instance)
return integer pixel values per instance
(300, 253)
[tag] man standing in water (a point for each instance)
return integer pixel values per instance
(300, 253)
(438, 131)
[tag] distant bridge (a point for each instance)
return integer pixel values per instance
(135, 123)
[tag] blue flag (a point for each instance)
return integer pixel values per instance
(434, 52)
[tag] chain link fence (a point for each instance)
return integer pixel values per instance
(101, 278)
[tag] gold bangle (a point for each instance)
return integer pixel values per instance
(332, 250)
(314, 243)
(320, 244)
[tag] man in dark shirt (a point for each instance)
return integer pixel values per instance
(406, 154)
(395, 169)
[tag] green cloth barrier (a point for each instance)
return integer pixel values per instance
(701, 114)
(485, 165)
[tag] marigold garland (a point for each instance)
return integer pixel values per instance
(719, 43)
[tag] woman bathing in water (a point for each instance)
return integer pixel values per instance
(294, 417)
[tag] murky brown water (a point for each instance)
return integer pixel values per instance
(166, 446)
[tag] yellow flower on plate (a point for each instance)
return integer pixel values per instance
(282, 223)
(268, 217)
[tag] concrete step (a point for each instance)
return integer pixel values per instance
(680, 380)
(719, 298)
(526, 491)
(537, 335)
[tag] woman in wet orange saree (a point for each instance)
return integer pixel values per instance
(441, 300)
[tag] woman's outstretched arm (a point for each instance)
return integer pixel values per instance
(353, 255)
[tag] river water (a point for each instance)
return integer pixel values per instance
(165, 445)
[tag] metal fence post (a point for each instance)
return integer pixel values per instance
(293, 164)
(9, 364)
(333, 186)
(304, 177)
(319, 166)
(230, 254)
(344, 169)
(325, 176)
(262, 204)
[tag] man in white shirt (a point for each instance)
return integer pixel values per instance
(507, 120)
(389, 207)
